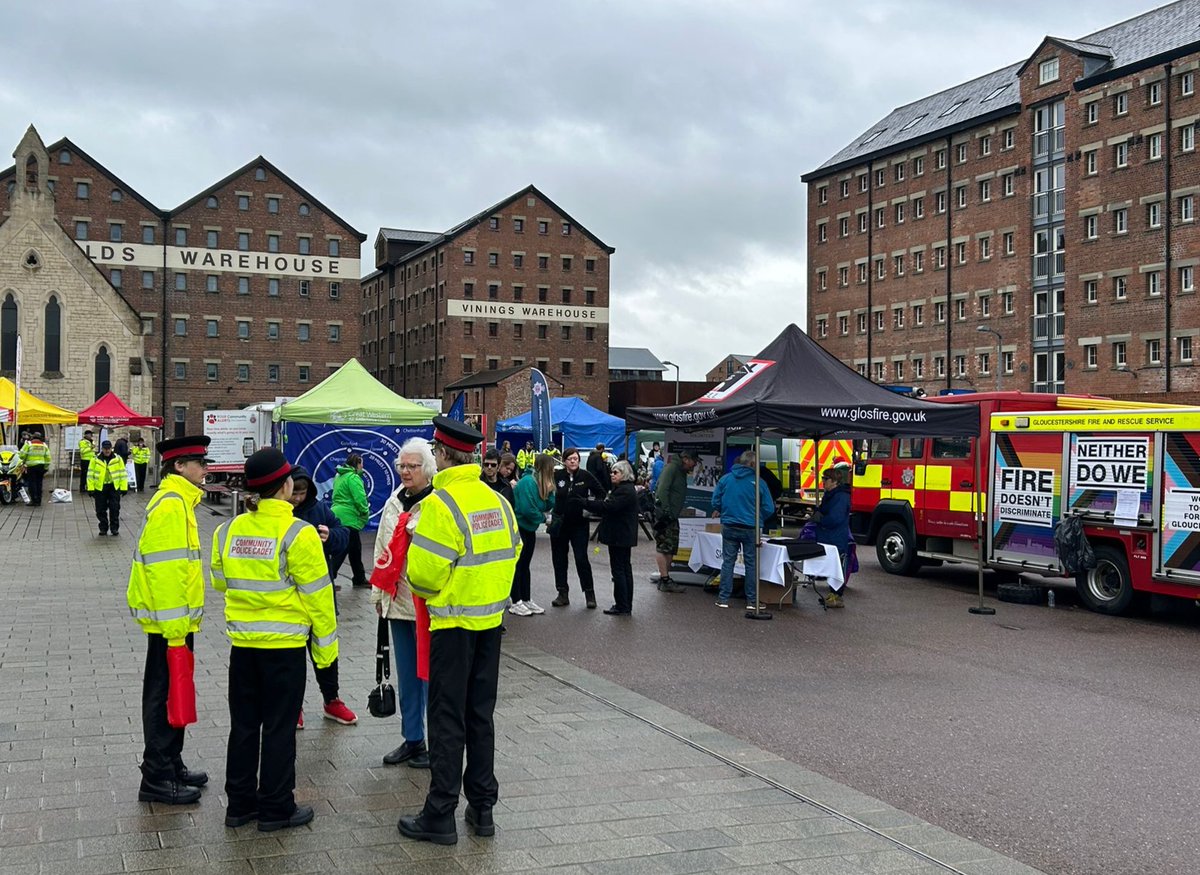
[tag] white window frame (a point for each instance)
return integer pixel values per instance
(1154, 351)
(1187, 84)
(1185, 348)
(1154, 214)
(1048, 71)
(1154, 283)
(1187, 279)
(1120, 354)
(1093, 112)
(1091, 227)
(1091, 356)
(1091, 291)
(1091, 166)
(1121, 155)
(1187, 208)
(1121, 221)
(1120, 288)
(1187, 138)
(1154, 147)
(1121, 104)
(1154, 93)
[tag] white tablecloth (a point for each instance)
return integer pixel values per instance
(772, 558)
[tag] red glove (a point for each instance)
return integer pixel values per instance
(181, 690)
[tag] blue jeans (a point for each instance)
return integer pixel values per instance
(414, 692)
(732, 538)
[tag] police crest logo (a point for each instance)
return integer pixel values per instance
(246, 547)
(486, 521)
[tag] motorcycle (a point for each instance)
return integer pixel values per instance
(10, 462)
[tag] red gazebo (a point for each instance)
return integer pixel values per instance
(111, 412)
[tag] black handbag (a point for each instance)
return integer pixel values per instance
(382, 700)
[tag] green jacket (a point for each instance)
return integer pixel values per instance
(350, 499)
(672, 487)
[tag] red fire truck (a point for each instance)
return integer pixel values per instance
(914, 498)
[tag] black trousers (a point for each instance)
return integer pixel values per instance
(464, 669)
(108, 508)
(266, 690)
(575, 539)
(358, 575)
(33, 479)
(83, 469)
(521, 578)
(327, 679)
(163, 757)
(622, 573)
(139, 472)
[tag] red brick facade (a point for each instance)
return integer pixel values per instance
(1015, 251)
(520, 284)
(216, 279)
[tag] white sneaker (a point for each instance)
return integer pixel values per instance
(534, 608)
(519, 609)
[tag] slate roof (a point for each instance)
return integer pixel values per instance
(405, 236)
(633, 358)
(1160, 32)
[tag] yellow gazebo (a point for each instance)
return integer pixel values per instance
(33, 409)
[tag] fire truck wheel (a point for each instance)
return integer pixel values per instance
(1107, 588)
(896, 549)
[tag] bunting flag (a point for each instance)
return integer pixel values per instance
(539, 394)
(458, 410)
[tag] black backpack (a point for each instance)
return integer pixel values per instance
(1072, 547)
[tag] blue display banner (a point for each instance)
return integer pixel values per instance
(321, 448)
(539, 411)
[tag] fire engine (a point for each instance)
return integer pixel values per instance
(1133, 476)
(914, 499)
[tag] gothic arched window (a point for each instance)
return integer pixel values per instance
(53, 362)
(103, 371)
(8, 334)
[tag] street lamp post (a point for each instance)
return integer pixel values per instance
(999, 340)
(676, 367)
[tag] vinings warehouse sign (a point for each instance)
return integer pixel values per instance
(517, 312)
(180, 258)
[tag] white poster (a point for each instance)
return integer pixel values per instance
(1181, 510)
(1110, 463)
(1025, 495)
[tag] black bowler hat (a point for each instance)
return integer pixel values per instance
(266, 470)
(456, 435)
(184, 448)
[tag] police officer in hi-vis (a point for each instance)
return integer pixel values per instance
(461, 561)
(278, 600)
(87, 452)
(166, 597)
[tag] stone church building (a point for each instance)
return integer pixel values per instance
(80, 338)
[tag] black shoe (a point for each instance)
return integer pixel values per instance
(591, 600)
(405, 752)
(186, 776)
(114, 533)
(302, 815)
(168, 792)
(103, 532)
(426, 829)
(233, 821)
(614, 611)
(562, 601)
(481, 820)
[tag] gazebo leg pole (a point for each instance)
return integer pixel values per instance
(757, 613)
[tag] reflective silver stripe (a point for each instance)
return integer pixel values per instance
(160, 616)
(165, 555)
(459, 518)
(467, 610)
(196, 613)
(292, 533)
(490, 556)
(217, 574)
(316, 586)
(268, 626)
(257, 585)
(512, 522)
(428, 544)
(327, 640)
(423, 593)
(222, 535)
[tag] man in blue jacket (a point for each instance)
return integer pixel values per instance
(733, 502)
(334, 538)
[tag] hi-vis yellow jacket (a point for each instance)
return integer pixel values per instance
(463, 551)
(166, 582)
(86, 451)
(271, 567)
(35, 454)
(115, 466)
(140, 455)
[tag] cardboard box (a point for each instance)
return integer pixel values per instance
(712, 528)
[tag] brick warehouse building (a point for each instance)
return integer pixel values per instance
(1034, 228)
(245, 291)
(519, 284)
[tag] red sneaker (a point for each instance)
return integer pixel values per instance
(338, 712)
(300, 721)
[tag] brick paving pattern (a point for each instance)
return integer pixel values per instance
(593, 778)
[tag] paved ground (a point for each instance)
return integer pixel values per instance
(1058, 737)
(594, 778)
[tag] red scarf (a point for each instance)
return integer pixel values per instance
(390, 564)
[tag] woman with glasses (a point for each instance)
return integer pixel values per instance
(416, 468)
(832, 521)
(491, 475)
(618, 529)
(569, 527)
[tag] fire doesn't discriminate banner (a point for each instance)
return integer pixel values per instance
(539, 399)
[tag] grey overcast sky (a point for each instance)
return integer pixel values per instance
(675, 131)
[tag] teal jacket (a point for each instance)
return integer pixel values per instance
(350, 499)
(531, 509)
